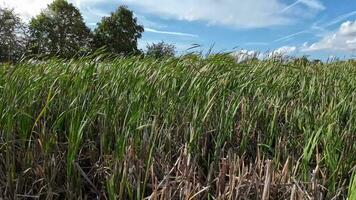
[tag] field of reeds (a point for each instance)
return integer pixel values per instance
(178, 128)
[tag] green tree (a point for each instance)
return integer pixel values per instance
(59, 30)
(119, 32)
(12, 35)
(160, 50)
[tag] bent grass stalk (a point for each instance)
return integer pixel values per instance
(139, 127)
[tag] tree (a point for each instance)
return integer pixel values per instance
(160, 50)
(59, 30)
(119, 32)
(12, 35)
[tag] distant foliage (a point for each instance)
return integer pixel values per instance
(12, 35)
(160, 50)
(119, 32)
(59, 30)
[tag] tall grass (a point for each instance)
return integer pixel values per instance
(182, 128)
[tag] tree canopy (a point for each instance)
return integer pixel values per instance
(119, 32)
(160, 50)
(12, 35)
(59, 30)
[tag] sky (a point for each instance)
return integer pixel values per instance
(319, 29)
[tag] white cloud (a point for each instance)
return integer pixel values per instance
(344, 39)
(170, 32)
(243, 55)
(291, 36)
(285, 50)
(30, 8)
(26, 8)
(314, 4)
(351, 41)
(281, 52)
(340, 18)
(233, 13)
(149, 23)
(95, 12)
(348, 28)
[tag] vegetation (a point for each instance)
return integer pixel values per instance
(119, 32)
(160, 50)
(59, 31)
(165, 127)
(12, 35)
(181, 128)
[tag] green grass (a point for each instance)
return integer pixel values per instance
(188, 127)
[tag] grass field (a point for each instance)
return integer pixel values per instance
(179, 128)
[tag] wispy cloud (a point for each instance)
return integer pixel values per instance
(317, 28)
(230, 13)
(320, 28)
(290, 6)
(97, 12)
(314, 4)
(343, 39)
(340, 19)
(148, 22)
(291, 36)
(170, 33)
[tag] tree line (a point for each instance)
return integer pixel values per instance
(60, 31)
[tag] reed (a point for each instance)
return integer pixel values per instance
(181, 128)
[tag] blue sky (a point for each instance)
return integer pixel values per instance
(295, 27)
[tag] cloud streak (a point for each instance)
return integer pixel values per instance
(170, 33)
(320, 28)
(314, 4)
(340, 19)
(230, 13)
(343, 39)
(291, 36)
